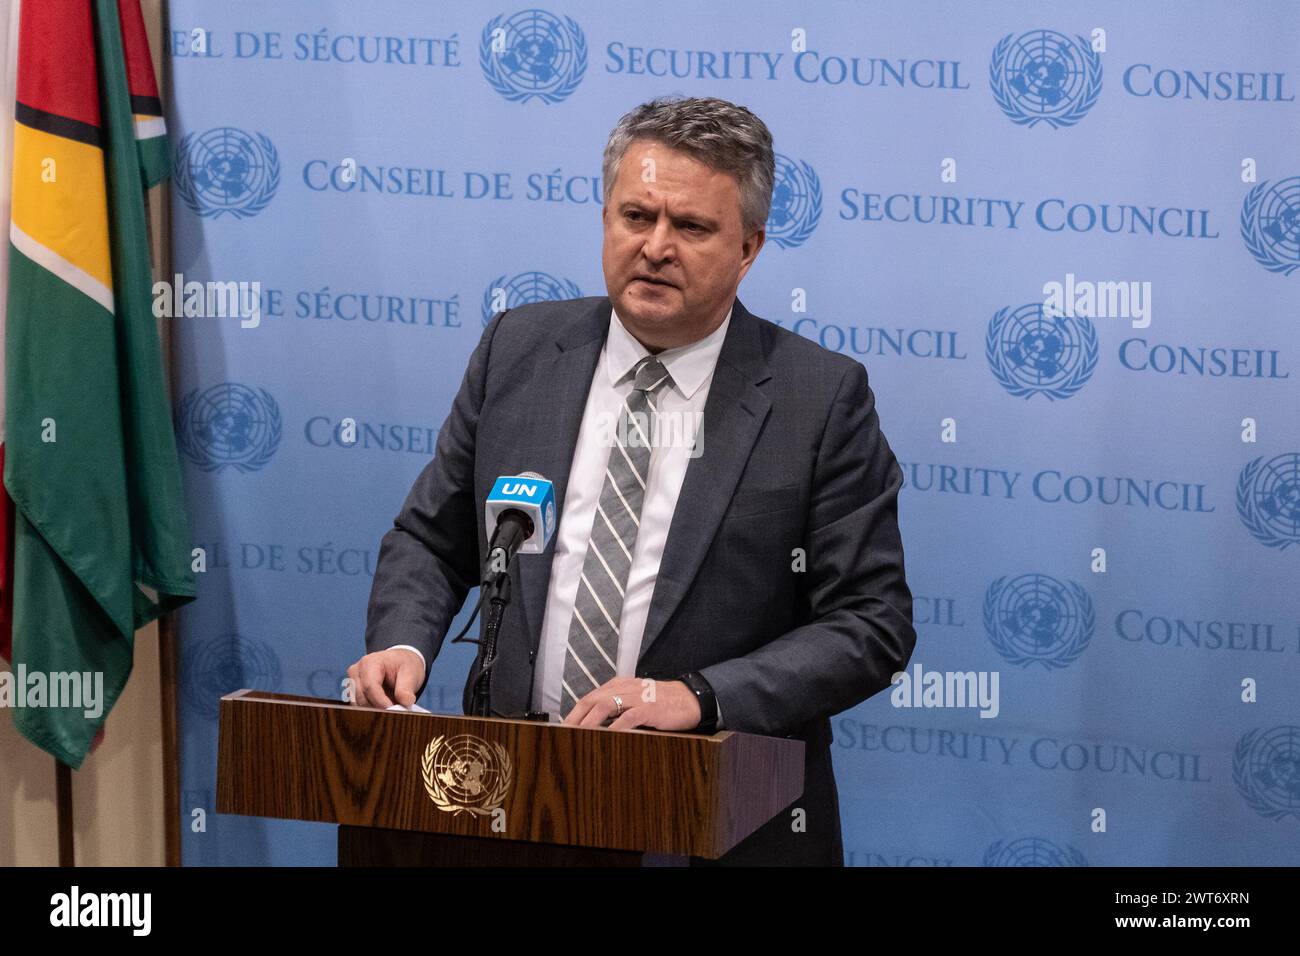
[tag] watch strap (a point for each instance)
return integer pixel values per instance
(708, 702)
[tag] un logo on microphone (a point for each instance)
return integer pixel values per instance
(1266, 770)
(1045, 77)
(1036, 619)
(1270, 224)
(533, 54)
(228, 425)
(1268, 500)
(796, 203)
(1033, 353)
(525, 288)
(226, 170)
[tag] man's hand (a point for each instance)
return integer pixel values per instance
(661, 705)
(387, 677)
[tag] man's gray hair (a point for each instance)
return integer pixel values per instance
(721, 135)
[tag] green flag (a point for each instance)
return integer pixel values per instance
(100, 537)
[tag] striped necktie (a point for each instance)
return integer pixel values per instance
(592, 653)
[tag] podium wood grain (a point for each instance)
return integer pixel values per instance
(636, 792)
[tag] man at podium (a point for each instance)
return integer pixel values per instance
(749, 576)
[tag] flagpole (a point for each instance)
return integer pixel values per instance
(170, 742)
(158, 227)
(158, 223)
(63, 802)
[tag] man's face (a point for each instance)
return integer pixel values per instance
(674, 250)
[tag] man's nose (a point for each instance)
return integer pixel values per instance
(660, 245)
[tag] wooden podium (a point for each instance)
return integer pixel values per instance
(412, 789)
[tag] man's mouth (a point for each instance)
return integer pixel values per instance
(654, 281)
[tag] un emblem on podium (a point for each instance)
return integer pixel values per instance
(466, 774)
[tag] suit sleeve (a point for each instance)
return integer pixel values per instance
(860, 632)
(429, 560)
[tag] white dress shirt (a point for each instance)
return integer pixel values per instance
(691, 368)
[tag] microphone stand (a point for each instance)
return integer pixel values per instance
(497, 585)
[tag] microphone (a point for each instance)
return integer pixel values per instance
(519, 516)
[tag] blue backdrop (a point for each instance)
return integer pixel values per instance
(1102, 503)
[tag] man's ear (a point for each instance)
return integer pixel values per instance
(749, 249)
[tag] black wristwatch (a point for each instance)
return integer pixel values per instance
(708, 702)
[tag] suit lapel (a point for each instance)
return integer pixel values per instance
(733, 415)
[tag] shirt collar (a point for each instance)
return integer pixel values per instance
(689, 365)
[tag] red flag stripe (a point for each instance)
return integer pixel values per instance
(135, 47)
(55, 75)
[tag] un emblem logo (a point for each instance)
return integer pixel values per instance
(1270, 224)
(1036, 619)
(1266, 770)
(1032, 353)
(1268, 499)
(225, 170)
(227, 664)
(228, 425)
(533, 54)
(796, 203)
(466, 774)
(1045, 77)
(1032, 851)
(526, 287)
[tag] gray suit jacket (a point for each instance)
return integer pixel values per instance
(793, 459)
